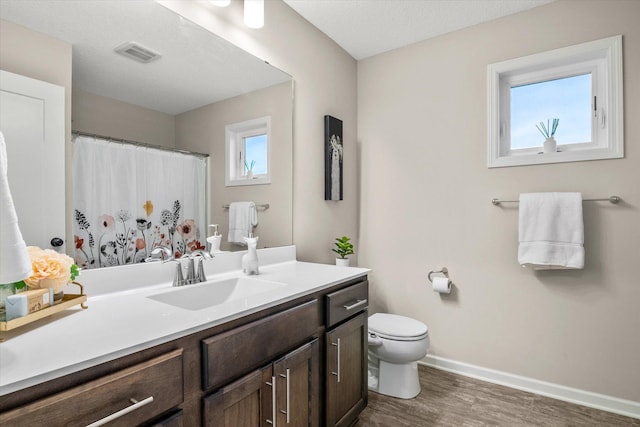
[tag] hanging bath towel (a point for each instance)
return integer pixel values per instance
(15, 263)
(243, 216)
(551, 231)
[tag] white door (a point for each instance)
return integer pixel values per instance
(32, 121)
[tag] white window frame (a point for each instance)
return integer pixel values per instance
(602, 59)
(235, 151)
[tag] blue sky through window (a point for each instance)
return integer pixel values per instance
(568, 99)
(256, 149)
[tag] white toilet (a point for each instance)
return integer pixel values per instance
(396, 343)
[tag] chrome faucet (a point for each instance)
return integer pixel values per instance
(192, 275)
(160, 253)
(178, 278)
(199, 275)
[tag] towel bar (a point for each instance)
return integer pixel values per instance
(610, 199)
(263, 207)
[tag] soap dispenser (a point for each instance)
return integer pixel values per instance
(214, 240)
(250, 259)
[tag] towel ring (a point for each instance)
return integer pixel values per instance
(443, 271)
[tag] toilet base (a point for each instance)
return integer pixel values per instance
(398, 380)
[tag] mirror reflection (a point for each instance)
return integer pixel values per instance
(196, 85)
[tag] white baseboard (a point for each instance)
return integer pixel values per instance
(581, 397)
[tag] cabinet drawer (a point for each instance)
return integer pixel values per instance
(346, 302)
(157, 386)
(173, 420)
(229, 355)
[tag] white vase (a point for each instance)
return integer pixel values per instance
(550, 145)
(250, 174)
(342, 262)
(250, 259)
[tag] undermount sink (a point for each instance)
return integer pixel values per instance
(212, 293)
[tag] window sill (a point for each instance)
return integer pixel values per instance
(557, 157)
(254, 181)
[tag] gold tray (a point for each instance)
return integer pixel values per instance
(68, 300)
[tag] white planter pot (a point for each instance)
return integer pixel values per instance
(342, 262)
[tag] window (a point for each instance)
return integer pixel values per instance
(580, 85)
(247, 152)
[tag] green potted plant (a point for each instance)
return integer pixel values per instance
(343, 248)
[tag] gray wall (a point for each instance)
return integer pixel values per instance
(426, 204)
(325, 83)
(203, 130)
(104, 116)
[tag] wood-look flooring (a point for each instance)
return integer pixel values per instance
(448, 399)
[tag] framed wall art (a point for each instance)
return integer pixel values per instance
(333, 152)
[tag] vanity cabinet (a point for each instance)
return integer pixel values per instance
(232, 354)
(281, 393)
(346, 355)
(287, 388)
(299, 363)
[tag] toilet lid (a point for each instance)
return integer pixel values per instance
(393, 325)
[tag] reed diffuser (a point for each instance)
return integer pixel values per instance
(548, 131)
(249, 168)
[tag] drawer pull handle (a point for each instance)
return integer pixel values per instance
(288, 389)
(122, 412)
(272, 384)
(337, 374)
(358, 303)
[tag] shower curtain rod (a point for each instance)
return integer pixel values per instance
(139, 144)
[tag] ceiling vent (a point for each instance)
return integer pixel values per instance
(138, 52)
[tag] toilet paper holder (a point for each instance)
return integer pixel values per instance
(444, 271)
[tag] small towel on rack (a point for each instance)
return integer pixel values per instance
(15, 264)
(551, 231)
(243, 216)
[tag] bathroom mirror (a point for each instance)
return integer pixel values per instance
(182, 99)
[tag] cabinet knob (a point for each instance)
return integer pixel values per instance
(56, 242)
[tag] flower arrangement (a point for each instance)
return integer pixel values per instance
(549, 130)
(249, 166)
(50, 269)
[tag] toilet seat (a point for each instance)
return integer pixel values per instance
(397, 328)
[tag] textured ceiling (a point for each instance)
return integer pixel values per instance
(368, 27)
(196, 67)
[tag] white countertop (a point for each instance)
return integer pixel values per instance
(121, 319)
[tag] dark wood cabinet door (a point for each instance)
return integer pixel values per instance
(297, 379)
(346, 374)
(288, 386)
(240, 404)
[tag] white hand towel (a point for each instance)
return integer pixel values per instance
(551, 231)
(15, 264)
(243, 216)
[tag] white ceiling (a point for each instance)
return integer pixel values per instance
(368, 27)
(196, 68)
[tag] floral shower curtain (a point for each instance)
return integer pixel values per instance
(129, 199)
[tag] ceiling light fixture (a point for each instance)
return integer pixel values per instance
(220, 3)
(254, 13)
